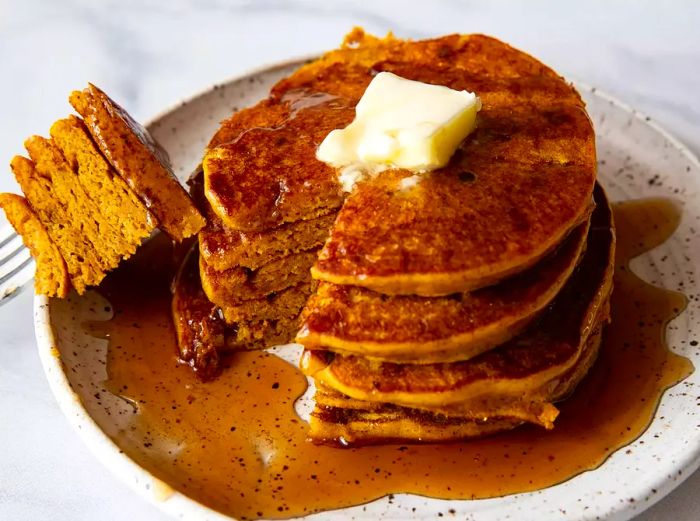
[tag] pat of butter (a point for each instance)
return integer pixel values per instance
(402, 123)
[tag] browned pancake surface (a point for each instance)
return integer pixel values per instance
(337, 418)
(422, 330)
(270, 176)
(547, 348)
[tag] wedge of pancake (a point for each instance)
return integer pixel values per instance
(421, 330)
(241, 283)
(139, 160)
(93, 193)
(486, 216)
(223, 248)
(52, 278)
(204, 331)
(366, 401)
(267, 177)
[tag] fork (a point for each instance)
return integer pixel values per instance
(16, 264)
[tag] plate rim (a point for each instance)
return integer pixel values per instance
(172, 502)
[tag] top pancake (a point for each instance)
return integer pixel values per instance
(513, 191)
(268, 175)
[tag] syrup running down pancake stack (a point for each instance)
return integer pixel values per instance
(459, 305)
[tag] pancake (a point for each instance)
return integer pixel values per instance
(546, 350)
(487, 215)
(223, 248)
(412, 329)
(140, 160)
(267, 177)
(204, 335)
(340, 420)
(199, 325)
(51, 277)
(240, 284)
(286, 304)
(260, 334)
(391, 424)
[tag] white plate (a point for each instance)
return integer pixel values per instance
(632, 151)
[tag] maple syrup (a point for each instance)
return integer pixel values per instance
(237, 445)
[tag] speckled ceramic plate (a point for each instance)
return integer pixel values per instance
(637, 159)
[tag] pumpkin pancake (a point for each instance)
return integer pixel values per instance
(223, 248)
(422, 330)
(286, 304)
(240, 284)
(487, 215)
(199, 325)
(203, 333)
(546, 350)
(139, 160)
(340, 420)
(267, 177)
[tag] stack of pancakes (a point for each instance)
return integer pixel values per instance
(407, 367)
(266, 221)
(458, 305)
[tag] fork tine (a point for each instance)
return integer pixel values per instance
(11, 253)
(6, 235)
(10, 265)
(11, 244)
(16, 264)
(14, 281)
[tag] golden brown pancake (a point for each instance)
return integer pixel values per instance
(547, 349)
(223, 248)
(267, 177)
(487, 215)
(240, 284)
(51, 278)
(203, 332)
(286, 304)
(143, 164)
(340, 420)
(393, 424)
(199, 325)
(422, 330)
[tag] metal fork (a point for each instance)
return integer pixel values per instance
(16, 264)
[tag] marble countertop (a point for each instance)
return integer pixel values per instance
(150, 54)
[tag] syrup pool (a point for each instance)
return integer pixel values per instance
(237, 445)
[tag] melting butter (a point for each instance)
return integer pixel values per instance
(400, 123)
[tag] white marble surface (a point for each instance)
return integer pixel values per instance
(149, 54)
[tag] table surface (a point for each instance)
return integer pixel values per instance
(149, 55)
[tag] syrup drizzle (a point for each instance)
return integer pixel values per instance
(237, 445)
